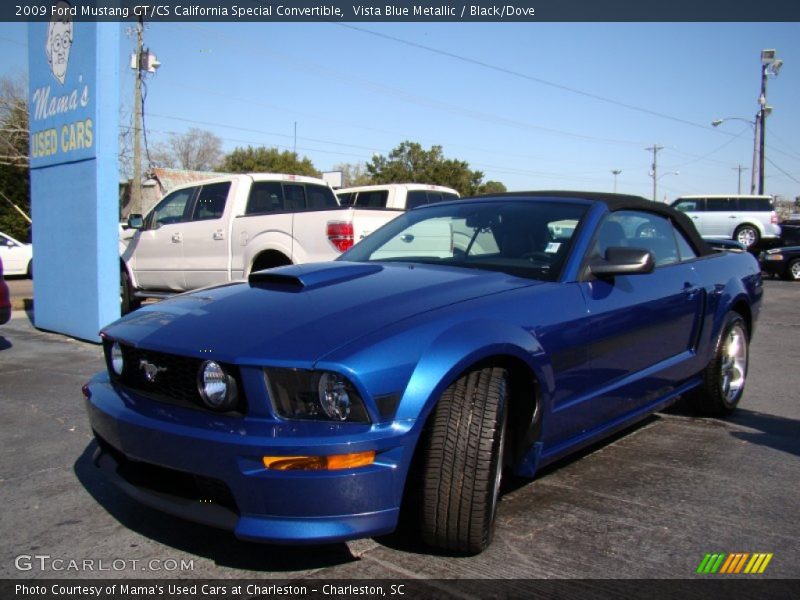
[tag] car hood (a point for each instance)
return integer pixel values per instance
(297, 314)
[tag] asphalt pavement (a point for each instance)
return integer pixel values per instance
(650, 503)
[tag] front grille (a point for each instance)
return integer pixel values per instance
(176, 380)
(170, 481)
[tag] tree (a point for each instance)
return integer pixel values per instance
(195, 150)
(14, 178)
(267, 160)
(491, 187)
(411, 163)
(354, 174)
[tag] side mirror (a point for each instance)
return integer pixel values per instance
(624, 261)
(135, 221)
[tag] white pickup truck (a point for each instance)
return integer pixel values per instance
(221, 229)
(394, 196)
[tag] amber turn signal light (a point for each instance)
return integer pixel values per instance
(319, 463)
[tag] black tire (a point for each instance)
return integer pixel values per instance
(463, 461)
(793, 270)
(29, 272)
(724, 378)
(747, 235)
(128, 302)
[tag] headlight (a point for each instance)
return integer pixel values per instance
(316, 395)
(217, 388)
(117, 360)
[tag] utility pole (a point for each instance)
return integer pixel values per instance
(136, 63)
(142, 61)
(294, 147)
(770, 66)
(654, 167)
(615, 172)
(739, 168)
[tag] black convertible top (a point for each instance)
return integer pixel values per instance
(616, 202)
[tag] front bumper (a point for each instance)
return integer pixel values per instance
(207, 468)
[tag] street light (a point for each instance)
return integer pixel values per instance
(615, 172)
(664, 175)
(755, 125)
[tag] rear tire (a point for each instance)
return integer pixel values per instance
(747, 235)
(463, 453)
(724, 377)
(793, 270)
(128, 302)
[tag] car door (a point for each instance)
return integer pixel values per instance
(206, 245)
(639, 330)
(695, 209)
(721, 217)
(14, 257)
(157, 250)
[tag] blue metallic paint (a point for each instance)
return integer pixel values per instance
(412, 330)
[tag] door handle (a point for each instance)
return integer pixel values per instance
(695, 217)
(690, 290)
(219, 234)
(177, 237)
(732, 217)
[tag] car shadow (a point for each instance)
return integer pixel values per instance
(406, 537)
(771, 431)
(4, 343)
(200, 540)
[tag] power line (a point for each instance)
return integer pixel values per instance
(781, 170)
(397, 93)
(403, 135)
(525, 76)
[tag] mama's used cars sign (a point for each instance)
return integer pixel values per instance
(62, 104)
(73, 100)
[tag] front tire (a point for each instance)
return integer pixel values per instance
(724, 377)
(747, 235)
(463, 453)
(128, 302)
(793, 270)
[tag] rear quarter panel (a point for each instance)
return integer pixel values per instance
(731, 281)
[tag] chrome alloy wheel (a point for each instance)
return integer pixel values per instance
(734, 363)
(794, 270)
(746, 237)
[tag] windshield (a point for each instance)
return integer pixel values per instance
(526, 238)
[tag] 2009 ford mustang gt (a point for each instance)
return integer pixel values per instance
(459, 341)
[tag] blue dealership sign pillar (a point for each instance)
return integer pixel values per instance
(74, 118)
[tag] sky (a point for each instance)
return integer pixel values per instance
(533, 105)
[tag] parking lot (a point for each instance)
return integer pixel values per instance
(649, 503)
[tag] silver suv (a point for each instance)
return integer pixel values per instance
(746, 219)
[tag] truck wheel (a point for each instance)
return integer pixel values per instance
(793, 270)
(725, 375)
(463, 462)
(128, 302)
(269, 260)
(746, 235)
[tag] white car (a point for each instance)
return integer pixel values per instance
(746, 219)
(17, 257)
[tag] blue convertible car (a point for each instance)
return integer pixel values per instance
(459, 341)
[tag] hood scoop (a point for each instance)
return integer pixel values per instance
(298, 278)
